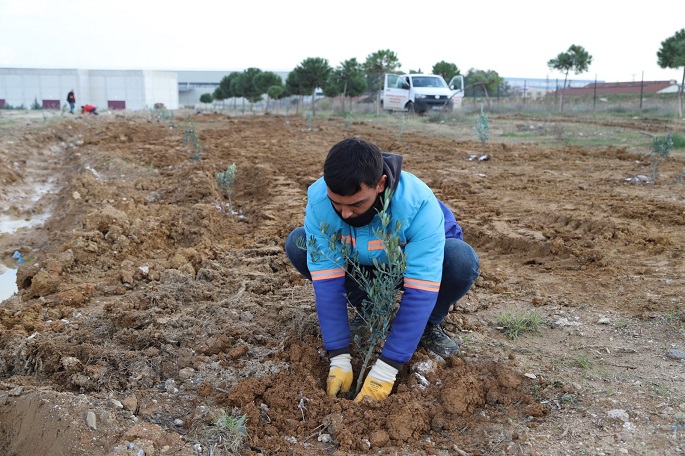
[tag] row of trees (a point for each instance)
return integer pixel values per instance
(349, 79)
(353, 78)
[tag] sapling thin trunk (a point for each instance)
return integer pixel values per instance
(381, 285)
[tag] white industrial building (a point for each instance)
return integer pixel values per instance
(106, 89)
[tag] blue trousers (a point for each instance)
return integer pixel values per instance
(459, 270)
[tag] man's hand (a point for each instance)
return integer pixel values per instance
(340, 376)
(378, 383)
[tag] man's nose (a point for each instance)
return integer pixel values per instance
(346, 213)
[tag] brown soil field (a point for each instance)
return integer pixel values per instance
(147, 306)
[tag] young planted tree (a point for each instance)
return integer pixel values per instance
(375, 66)
(661, 148)
(482, 128)
(226, 180)
(190, 139)
(382, 287)
(672, 55)
(576, 58)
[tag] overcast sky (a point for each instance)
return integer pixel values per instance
(514, 38)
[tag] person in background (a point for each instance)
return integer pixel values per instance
(440, 266)
(71, 99)
(90, 109)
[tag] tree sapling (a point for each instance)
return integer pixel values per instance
(382, 286)
(482, 128)
(226, 180)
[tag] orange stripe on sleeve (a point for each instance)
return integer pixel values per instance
(328, 274)
(425, 285)
(376, 245)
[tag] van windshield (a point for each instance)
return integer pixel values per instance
(428, 81)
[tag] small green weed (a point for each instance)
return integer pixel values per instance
(582, 361)
(678, 141)
(621, 324)
(514, 325)
(658, 390)
(221, 432)
(231, 423)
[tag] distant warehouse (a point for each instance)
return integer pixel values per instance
(634, 87)
(107, 89)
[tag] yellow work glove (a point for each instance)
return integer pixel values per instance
(340, 376)
(379, 382)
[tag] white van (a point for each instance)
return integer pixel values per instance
(421, 92)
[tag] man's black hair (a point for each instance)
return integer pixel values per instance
(351, 162)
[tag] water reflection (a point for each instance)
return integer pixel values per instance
(8, 282)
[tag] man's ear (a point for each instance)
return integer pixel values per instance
(380, 188)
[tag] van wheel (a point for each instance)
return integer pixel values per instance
(410, 107)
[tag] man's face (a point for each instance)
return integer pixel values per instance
(357, 204)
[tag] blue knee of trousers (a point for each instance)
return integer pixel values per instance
(296, 255)
(460, 270)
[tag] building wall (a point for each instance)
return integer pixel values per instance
(191, 98)
(161, 87)
(134, 89)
